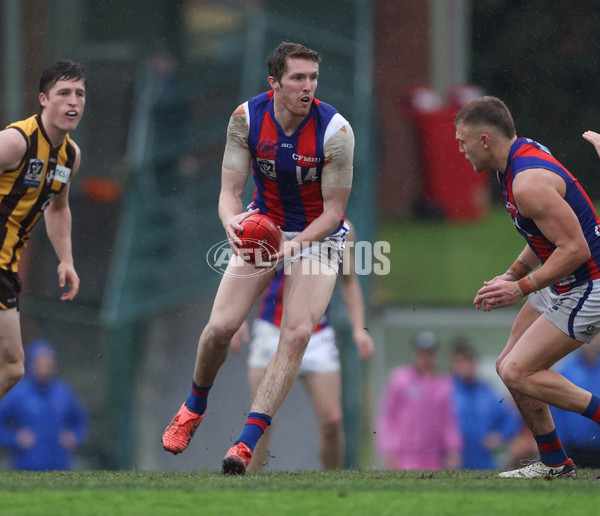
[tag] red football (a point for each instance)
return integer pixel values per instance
(260, 238)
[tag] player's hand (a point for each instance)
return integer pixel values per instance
(503, 277)
(67, 277)
(239, 337)
(287, 248)
(232, 226)
(497, 294)
(594, 139)
(364, 342)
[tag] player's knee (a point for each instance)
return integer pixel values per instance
(331, 425)
(12, 372)
(299, 337)
(511, 374)
(219, 333)
(498, 362)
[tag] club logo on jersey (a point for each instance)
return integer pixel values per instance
(49, 176)
(33, 177)
(267, 167)
(266, 149)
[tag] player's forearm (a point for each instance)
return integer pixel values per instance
(58, 227)
(230, 199)
(334, 204)
(529, 258)
(353, 299)
(562, 262)
(228, 207)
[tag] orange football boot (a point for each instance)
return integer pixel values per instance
(181, 429)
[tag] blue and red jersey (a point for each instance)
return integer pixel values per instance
(526, 154)
(287, 169)
(271, 304)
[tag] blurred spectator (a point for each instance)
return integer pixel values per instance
(581, 438)
(42, 420)
(486, 423)
(417, 427)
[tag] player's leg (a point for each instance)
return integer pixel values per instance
(325, 391)
(12, 358)
(526, 405)
(526, 369)
(535, 345)
(265, 337)
(261, 451)
(305, 298)
(238, 290)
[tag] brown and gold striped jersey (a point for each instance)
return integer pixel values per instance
(25, 192)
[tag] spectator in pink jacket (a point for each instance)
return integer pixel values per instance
(417, 427)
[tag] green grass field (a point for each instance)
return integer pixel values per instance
(294, 493)
(435, 262)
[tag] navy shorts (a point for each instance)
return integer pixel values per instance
(10, 287)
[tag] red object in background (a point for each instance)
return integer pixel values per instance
(450, 183)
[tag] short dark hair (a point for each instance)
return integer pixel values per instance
(487, 110)
(65, 70)
(276, 62)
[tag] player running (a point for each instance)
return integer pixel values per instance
(300, 151)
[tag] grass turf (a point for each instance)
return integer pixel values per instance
(434, 262)
(374, 492)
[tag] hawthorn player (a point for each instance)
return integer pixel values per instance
(37, 161)
(301, 152)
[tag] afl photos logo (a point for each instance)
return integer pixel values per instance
(220, 258)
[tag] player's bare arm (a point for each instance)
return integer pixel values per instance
(527, 261)
(594, 138)
(12, 149)
(539, 196)
(234, 175)
(353, 298)
(58, 226)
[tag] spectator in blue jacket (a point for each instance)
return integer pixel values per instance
(581, 437)
(42, 419)
(486, 421)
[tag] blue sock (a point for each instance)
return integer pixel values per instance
(198, 398)
(551, 449)
(254, 429)
(593, 409)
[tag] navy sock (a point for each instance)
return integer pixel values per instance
(254, 429)
(198, 398)
(551, 449)
(593, 409)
